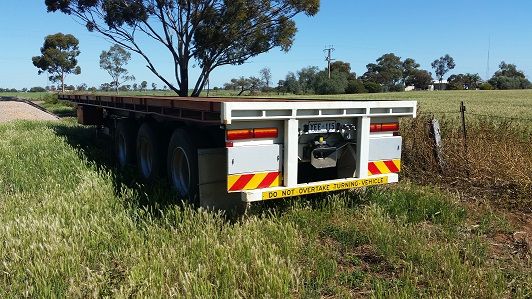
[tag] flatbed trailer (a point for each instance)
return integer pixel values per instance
(219, 151)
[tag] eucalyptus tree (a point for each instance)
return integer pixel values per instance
(58, 57)
(206, 33)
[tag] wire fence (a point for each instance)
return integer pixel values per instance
(523, 119)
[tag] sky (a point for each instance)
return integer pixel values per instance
(359, 31)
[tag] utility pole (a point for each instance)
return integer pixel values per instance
(328, 51)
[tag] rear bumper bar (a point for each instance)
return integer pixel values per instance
(318, 187)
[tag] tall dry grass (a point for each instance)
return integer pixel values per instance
(496, 164)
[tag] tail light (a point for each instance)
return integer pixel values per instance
(386, 127)
(252, 133)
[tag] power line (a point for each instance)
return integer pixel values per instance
(328, 58)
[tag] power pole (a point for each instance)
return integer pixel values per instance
(329, 51)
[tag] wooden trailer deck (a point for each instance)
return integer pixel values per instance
(198, 109)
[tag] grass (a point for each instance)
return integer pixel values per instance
(70, 226)
(73, 227)
(67, 230)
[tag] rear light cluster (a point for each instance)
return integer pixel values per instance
(252, 133)
(385, 127)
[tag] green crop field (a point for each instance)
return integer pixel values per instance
(71, 225)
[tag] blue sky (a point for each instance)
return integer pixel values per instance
(360, 31)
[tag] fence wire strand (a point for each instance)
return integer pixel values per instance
(477, 114)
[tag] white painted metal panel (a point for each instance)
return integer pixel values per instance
(252, 159)
(362, 147)
(385, 148)
(244, 111)
(291, 158)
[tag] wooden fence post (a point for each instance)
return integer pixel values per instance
(436, 136)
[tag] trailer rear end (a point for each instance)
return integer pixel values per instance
(218, 151)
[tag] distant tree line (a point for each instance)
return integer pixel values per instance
(389, 73)
(107, 87)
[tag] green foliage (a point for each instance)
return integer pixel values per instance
(372, 87)
(397, 87)
(58, 57)
(291, 84)
(355, 86)
(37, 89)
(508, 77)
(143, 85)
(485, 86)
(503, 82)
(508, 70)
(410, 67)
(251, 84)
(421, 79)
(307, 78)
(464, 81)
(388, 71)
(344, 68)
(337, 84)
(442, 65)
(266, 76)
(114, 62)
(213, 33)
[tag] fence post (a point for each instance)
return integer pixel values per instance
(464, 134)
(436, 136)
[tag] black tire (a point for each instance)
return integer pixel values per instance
(182, 165)
(125, 143)
(149, 151)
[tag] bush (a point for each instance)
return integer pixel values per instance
(397, 88)
(267, 89)
(485, 86)
(37, 89)
(503, 82)
(50, 98)
(355, 86)
(372, 87)
(337, 84)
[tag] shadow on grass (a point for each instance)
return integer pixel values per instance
(97, 148)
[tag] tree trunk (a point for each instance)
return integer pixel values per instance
(63, 82)
(183, 86)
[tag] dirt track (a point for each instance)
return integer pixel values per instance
(11, 110)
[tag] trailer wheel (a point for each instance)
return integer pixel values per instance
(148, 152)
(182, 165)
(125, 143)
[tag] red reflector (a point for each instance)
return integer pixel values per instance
(375, 127)
(252, 133)
(239, 134)
(266, 133)
(388, 127)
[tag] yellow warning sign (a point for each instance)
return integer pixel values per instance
(343, 185)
